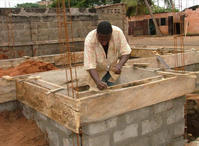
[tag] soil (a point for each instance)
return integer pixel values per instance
(16, 130)
(2, 56)
(27, 67)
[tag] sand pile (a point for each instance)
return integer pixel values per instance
(16, 130)
(27, 67)
(2, 56)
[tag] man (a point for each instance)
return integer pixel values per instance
(105, 52)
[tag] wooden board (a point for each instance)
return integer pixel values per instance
(55, 106)
(111, 103)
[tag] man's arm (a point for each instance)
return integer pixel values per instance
(100, 85)
(118, 67)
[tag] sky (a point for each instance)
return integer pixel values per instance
(13, 3)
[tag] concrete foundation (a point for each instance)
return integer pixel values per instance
(145, 108)
(156, 125)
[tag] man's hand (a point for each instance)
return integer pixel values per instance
(117, 69)
(101, 85)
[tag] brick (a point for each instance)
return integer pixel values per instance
(164, 106)
(103, 140)
(175, 115)
(137, 115)
(151, 125)
(129, 132)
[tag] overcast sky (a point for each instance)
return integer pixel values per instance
(13, 3)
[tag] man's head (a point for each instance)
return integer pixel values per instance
(104, 31)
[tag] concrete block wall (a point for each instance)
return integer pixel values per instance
(35, 32)
(157, 125)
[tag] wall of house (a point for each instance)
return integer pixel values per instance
(143, 18)
(35, 32)
(157, 125)
(191, 22)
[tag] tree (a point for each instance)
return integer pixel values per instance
(158, 32)
(29, 5)
(141, 7)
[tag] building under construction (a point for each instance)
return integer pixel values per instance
(154, 102)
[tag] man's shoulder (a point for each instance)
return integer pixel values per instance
(91, 34)
(116, 28)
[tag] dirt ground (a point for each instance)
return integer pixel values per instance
(27, 67)
(16, 130)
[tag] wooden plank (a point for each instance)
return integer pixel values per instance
(115, 102)
(55, 106)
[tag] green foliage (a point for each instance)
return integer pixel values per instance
(29, 5)
(136, 7)
(57, 2)
(84, 3)
(157, 9)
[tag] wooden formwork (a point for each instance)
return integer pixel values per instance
(100, 105)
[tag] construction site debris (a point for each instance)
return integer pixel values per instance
(16, 130)
(27, 67)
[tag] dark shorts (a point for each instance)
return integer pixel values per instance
(105, 79)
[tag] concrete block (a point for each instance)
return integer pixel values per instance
(99, 127)
(179, 128)
(28, 112)
(40, 116)
(129, 132)
(178, 143)
(66, 142)
(142, 141)
(8, 106)
(137, 115)
(111, 123)
(53, 137)
(102, 140)
(164, 106)
(152, 124)
(175, 115)
(161, 137)
(180, 101)
(61, 128)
